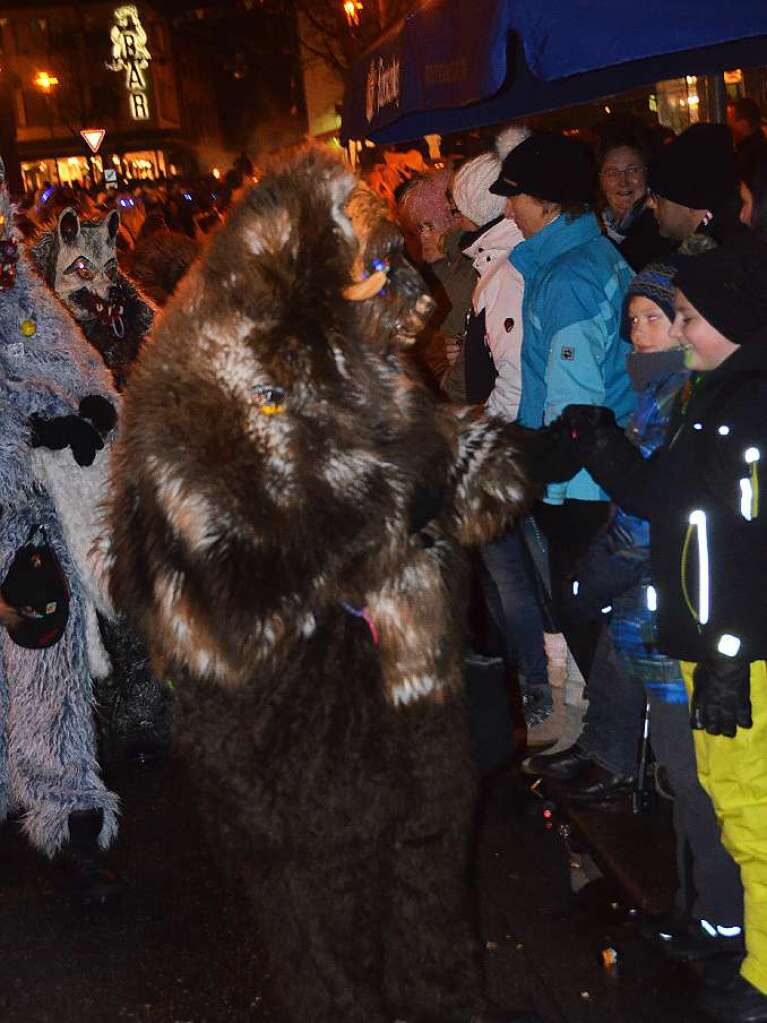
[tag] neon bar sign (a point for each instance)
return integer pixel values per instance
(130, 54)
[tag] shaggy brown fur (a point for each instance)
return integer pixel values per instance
(158, 261)
(277, 471)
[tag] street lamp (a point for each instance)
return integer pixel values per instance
(352, 10)
(45, 81)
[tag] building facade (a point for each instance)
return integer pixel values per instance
(100, 65)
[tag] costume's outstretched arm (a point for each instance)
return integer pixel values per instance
(489, 488)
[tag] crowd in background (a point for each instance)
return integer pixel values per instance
(583, 292)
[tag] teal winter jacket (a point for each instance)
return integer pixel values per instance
(572, 351)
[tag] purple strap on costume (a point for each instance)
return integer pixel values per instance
(365, 616)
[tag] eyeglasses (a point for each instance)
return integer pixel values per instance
(633, 173)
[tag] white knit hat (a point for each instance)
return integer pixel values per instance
(471, 184)
(510, 138)
(471, 189)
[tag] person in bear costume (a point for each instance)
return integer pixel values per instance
(287, 528)
(58, 411)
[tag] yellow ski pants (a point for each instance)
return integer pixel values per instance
(734, 773)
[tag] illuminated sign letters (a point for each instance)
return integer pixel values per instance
(130, 54)
(383, 85)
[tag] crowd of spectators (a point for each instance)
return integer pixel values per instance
(612, 301)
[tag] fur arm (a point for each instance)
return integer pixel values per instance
(488, 485)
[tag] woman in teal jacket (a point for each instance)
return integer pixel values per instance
(575, 288)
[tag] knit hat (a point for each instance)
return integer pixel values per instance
(471, 189)
(728, 287)
(426, 200)
(655, 282)
(698, 169)
(509, 138)
(471, 184)
(548, 166)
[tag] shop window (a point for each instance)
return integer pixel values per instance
(75, 170)
(143, 164)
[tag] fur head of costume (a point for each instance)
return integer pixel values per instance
(44, 357)
(78, 259)
(81, 259)
(276, 466)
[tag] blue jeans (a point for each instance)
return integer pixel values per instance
(512, 600)
(612, 727)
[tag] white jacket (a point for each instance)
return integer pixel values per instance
(499, 292)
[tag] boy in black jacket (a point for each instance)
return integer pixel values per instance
(701, 494)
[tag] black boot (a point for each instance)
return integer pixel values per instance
(89, 879)
(694, 941)
(722, 971)
(596, 785)
(563, 766)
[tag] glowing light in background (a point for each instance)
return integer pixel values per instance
(45, 81)
(352, 10)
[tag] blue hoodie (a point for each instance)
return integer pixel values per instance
(572, 349)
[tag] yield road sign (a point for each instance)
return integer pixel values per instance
(93, 138)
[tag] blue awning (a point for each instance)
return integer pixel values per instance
(456, 64)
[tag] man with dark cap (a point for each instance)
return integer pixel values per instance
(572, 349)
(694, 190)
(708, 539)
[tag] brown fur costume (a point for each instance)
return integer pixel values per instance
(249, 524)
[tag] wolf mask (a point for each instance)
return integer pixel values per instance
(78, 259)
(82, 256)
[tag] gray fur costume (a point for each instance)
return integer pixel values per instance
(48, 765)
(78, 260)
(288, 519)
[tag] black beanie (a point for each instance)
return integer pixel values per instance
(728, 287)
(698, 169)
(550, 167)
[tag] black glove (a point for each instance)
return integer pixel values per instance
(67, 431)
(550, 455)
(588, 423)
(721, 699)
(98, 411)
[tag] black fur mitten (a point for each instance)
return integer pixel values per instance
(67, 431)
(100, 412)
